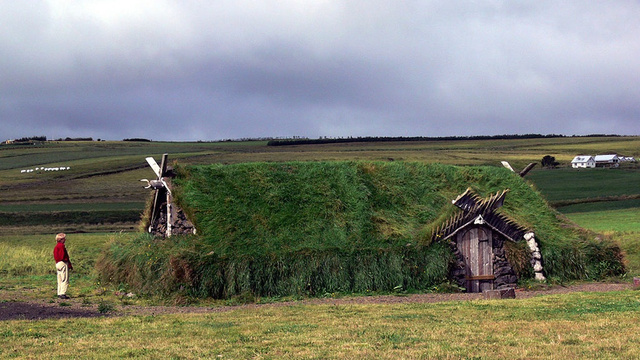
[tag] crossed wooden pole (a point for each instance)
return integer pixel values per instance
(162, 193)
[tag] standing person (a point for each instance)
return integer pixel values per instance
(63, 265)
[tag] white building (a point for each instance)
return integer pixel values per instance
(583, 161)
(610, 160)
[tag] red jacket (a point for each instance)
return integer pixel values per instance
(60, 254)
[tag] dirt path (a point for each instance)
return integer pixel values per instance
(46, 309)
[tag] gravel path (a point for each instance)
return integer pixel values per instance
(46, 309)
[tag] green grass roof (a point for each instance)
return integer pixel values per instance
(281, 207)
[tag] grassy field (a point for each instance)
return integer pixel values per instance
(603, 200)
(579, 325)
(607, 220)
(28, 264)
(568, 186)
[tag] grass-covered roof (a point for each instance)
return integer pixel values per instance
(278, 229)
(283, 207)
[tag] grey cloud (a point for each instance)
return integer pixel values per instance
(232, 69)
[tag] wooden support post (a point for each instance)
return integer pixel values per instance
(155, 210)
(175, 221)
(172, 215)
(169, 215)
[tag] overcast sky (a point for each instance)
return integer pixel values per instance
(209, 70)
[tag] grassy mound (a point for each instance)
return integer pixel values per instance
(311, 228)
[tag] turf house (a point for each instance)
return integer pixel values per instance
(319, 228)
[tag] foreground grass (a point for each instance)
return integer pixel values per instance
(578, 325)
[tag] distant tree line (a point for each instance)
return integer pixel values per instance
(74, 139)
(264, 138)
(598, 135)
(44, 138)
(137, 139)
(32, 138)
(327, 140)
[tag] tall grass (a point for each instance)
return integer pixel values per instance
(630, 243)
(24, 261)
(187, 267)
(312, 228)
(27, 255)
(258, 207)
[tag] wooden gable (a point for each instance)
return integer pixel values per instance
(478, 211)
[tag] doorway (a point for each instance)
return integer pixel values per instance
(476, 247)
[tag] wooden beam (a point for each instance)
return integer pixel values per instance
(160, 193)
(163, 165)
(527, 169)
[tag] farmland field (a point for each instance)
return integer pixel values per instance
(603, 200)
(606, 216)
(566, 186)
(104, 177)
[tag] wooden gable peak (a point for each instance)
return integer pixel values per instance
(479, 211)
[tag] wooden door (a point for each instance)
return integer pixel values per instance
(475, 245)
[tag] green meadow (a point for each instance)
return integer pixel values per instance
(603, 200)
(567, 186)
(104, 177)
(606, 216)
